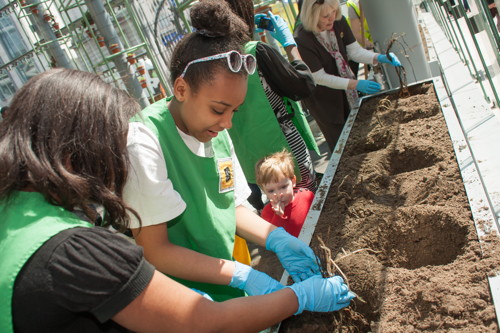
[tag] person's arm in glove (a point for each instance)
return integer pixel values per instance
(202, 293)
(390, 59)
(252, 281)
(368, 87)
(296, 257)
(322, 294)
(281, 32)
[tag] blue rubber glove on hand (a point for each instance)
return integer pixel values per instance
(257, 19)
(281, 31)
(202, 293)
(322, 294)
(391, 59)
(296, 257)
(252, 281)
(368, 87)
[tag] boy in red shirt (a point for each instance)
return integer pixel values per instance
(288, 206)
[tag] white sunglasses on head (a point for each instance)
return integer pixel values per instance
(235, 61)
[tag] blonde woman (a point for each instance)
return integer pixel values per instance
(326, 43)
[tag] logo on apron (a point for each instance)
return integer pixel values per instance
(226, 175)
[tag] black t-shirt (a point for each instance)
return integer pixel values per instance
(77, 281)
(287, 79)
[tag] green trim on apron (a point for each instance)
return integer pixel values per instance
(206, 184)
(28, 221)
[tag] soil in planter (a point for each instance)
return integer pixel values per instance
(399, 226)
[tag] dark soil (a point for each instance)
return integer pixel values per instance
(399, 226)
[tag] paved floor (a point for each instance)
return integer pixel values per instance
(319, 161)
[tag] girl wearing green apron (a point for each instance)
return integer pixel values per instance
(185, 180)
(62, 274)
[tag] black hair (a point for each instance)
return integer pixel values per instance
(244, 9)
(218, 30)
(65, 136)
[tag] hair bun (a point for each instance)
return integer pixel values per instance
(214, 18)
(207, 33)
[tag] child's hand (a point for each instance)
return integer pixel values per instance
(277, 204)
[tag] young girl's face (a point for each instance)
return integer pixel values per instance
(280, 192)
(209, 110)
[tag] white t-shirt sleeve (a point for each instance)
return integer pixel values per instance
(331, 81)
(359, 54)
(148, 190)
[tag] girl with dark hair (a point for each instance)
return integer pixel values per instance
(185, 180)
(271, 119)
(62, 155)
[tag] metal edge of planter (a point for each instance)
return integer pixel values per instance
(480, 204)
(481, 211)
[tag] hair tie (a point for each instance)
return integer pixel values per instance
(207, 33)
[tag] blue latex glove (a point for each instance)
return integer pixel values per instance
(257, 19)
(281, 31)
(202, 293)
(296, 257)
(391, 60)
(322, 294)
(368, 87)
(252, 281)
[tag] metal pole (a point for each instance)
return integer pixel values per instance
(474, 75)
(460, 48)
(440, 17)
(140, 30)
(483, 62)
(103, 22)
(386, 17)
(45, 31)
(493, 31)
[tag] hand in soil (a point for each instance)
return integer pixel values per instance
(296, 257)
(322, 294)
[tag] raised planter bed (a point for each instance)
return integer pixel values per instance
(395, 214)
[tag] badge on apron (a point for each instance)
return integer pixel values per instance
(341, 34)
(226, 174)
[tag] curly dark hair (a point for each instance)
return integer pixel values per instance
(218, 30)
(244, 9)
(65, 137)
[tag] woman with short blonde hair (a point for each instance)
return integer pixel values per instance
(309, 14)
(326, 43)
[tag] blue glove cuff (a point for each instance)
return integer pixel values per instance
(240, 275)
(391, 59)
(276, 233)
(301, 297)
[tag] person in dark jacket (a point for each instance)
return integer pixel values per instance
(326, 43)
(271, 118)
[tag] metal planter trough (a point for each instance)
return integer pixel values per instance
(403, 212)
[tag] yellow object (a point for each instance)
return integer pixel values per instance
(240, 251)
(366, 29)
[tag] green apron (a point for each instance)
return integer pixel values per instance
(28, 221)
(256, 132)
(206, 184)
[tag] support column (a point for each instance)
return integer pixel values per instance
(104, 24)
(386, 17)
